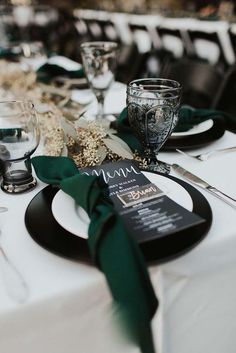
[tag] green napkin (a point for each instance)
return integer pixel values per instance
(48, 71)
(8, 54)
(114, 251)
(188, 117)
(125, 132)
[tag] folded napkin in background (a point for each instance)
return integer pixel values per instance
(8, 54)
(59, 66)
(114, 251)
(188, 118)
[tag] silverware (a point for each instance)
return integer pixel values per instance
(15, 284)
(203, 184)
(205, 156)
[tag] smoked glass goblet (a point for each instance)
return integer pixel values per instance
(99, 63)
(153, 106)
(19, 138)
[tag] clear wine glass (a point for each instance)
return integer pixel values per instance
(99, 62)
(19, 138)
(33, 55)
(153, 106)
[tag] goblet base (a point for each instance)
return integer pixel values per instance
(158, 166)
(18, 185)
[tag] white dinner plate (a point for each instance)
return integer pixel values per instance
(197, 129)
(75, 220)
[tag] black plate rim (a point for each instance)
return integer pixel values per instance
(39, 219)
(197, 140)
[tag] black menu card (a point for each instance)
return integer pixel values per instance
(147, 211)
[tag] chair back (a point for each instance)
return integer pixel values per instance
(174, 41)
(226, 97)
(207, 46)
(200, 81)
(141, 36)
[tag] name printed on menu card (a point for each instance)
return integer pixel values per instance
(139, 194)
(145, 208)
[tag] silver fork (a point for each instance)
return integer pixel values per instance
(205, 156)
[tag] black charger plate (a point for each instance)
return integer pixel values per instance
(196, 140)
(44, 229)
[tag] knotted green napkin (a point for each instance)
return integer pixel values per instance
(188, 118)
(48, 71)
(114, 251)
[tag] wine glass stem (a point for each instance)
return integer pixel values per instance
(100, 114)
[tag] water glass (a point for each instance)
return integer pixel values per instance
(99, 62)
(19, 138)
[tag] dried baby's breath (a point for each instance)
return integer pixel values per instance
(92, 148)
(63, 131)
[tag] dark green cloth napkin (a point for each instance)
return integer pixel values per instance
(114, 251)
(188, 117)
(125, 132)
(48, 71)
(8, 54)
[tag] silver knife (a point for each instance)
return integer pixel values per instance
(203, 184)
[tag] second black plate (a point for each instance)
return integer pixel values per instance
(196, 140)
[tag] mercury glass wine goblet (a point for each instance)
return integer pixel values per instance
(153, 106)
(99, 62)
(19, 138)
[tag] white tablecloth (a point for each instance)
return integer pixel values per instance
(69, 307)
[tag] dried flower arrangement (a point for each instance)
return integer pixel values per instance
(90, 143)
(64, 131)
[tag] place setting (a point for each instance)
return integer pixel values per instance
(117, 177)
(105, 178)
(152, 119)
(65, 229)
(109, 161)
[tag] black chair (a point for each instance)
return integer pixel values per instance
(130, 63)
(180, 39)
(210, 38)
(232, 36)
(200, 81)
(139, 29)
(109, 31)
(149, 62)
(94, 29)
(226, 97)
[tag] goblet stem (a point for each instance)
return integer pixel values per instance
(100, 114)
(153, 164)
(150, 157)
